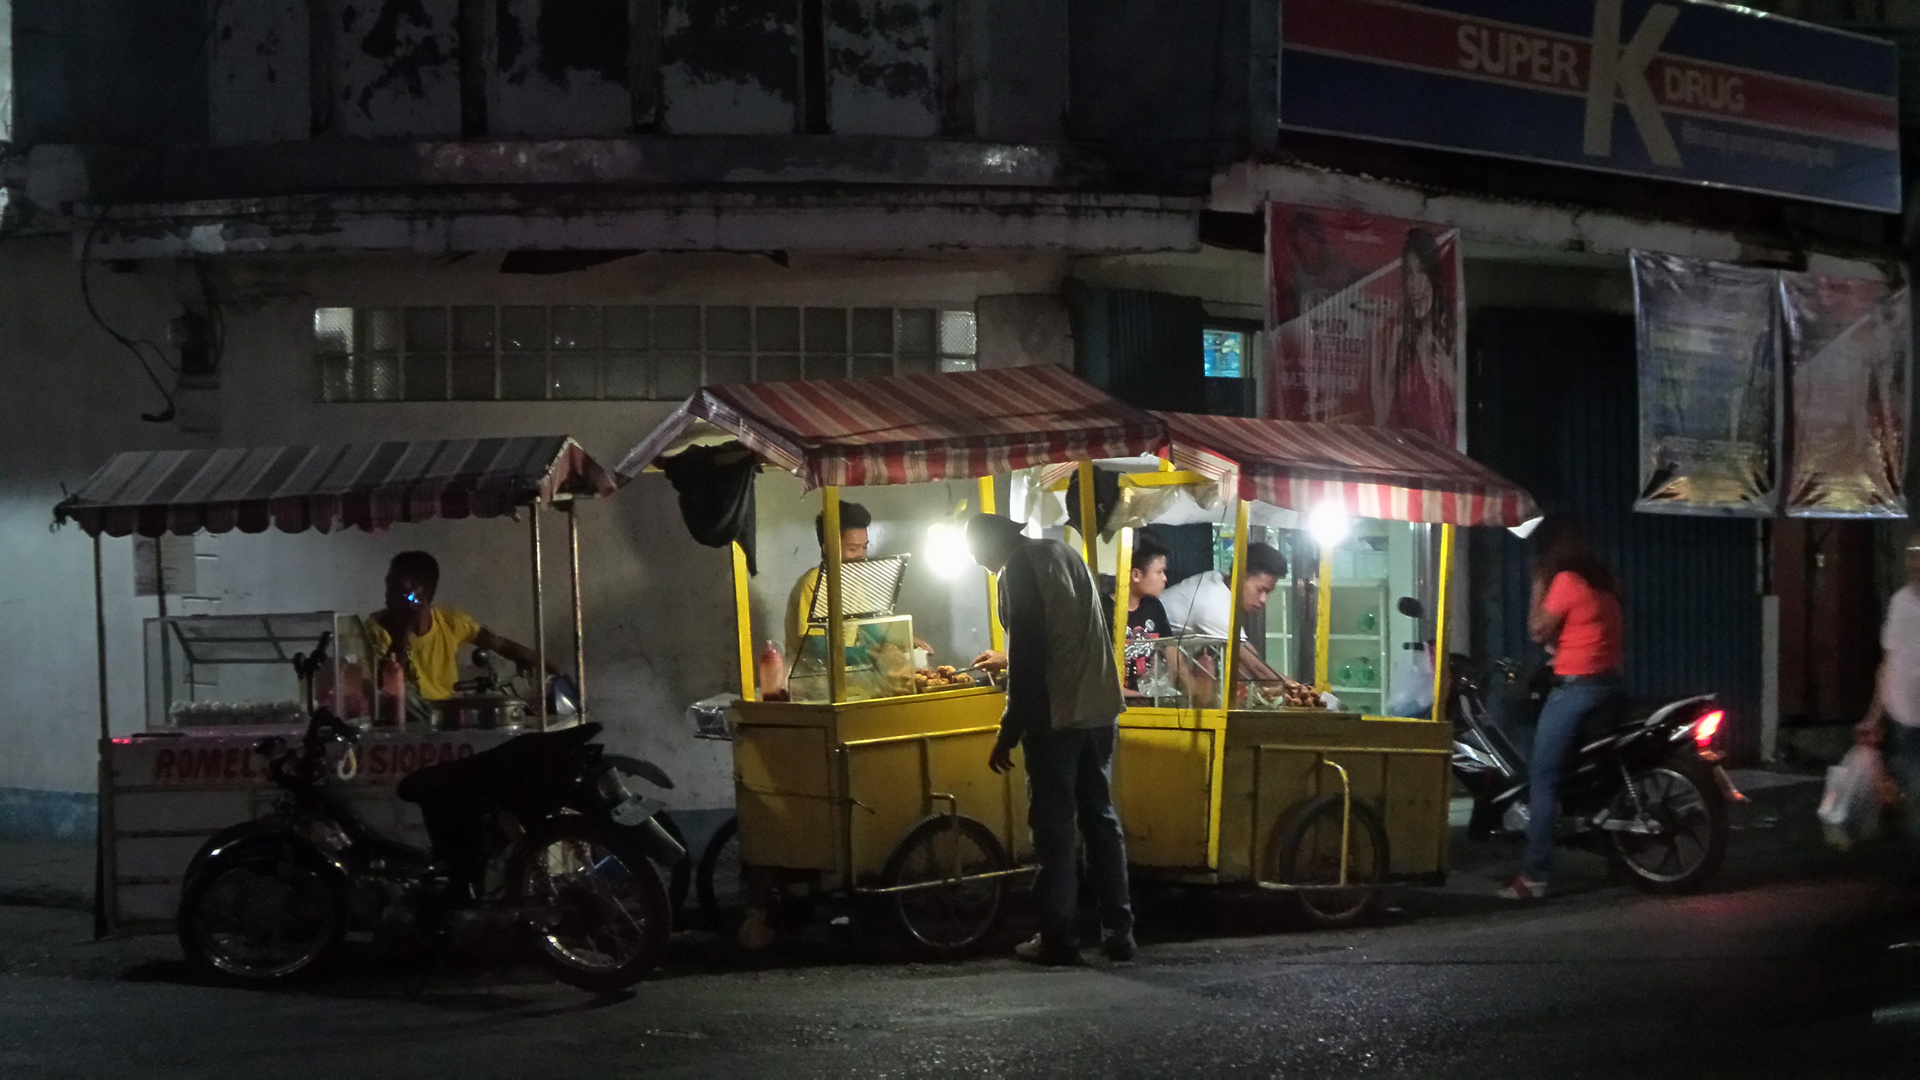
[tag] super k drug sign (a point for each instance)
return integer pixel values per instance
(1687, 91)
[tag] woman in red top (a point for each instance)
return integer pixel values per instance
(1575, 613)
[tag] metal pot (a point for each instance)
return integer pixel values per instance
(481, 712)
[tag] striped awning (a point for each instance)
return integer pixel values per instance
(296, 488)
(909, 429)
(1372, 472)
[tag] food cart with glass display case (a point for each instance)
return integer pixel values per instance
(217, 684)
(1260, 783)
(869, 779)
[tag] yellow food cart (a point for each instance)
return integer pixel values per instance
(1236, 787)
(865, 783)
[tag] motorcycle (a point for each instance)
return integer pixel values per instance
(551, 845)
(1643, 787)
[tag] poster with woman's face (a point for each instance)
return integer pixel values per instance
(1365, 321)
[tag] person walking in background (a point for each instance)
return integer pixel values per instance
(1575, 613)
(1893, 722)
(1063, 707)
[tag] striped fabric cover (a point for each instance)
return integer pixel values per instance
(296, 488)
(909, 429)
(1372, 472)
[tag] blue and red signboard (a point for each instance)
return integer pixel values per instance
(1689, 91)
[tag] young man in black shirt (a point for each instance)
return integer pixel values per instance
(1146, 618)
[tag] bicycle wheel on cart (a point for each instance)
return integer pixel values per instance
(723, 897)
(942, 907)
(1306, 851)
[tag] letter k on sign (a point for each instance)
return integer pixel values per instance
(1624, 70)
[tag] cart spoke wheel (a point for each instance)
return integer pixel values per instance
(1307, 852)
(954, 911)
(719, 884)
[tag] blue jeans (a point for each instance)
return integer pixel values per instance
(1553, 744)
(1069, 778)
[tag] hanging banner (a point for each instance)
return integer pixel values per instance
(1366, 321)
(1849, 358)
(1709, 371)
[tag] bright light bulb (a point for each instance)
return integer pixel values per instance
(1328, 524)
(947, 551)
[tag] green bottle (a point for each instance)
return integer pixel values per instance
(1368, 621)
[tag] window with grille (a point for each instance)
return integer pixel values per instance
(625, 352)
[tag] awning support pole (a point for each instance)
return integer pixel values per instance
(579, 616)
(836, 621)
(1236, 575)
(1090, 546)
(105, 905)
(1323, 621)
(1122, 600)
(743, 622)
(1440, 625)
(996, 634)
(539, 619)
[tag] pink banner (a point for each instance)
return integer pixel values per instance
(1366, 321)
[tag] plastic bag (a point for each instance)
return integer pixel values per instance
(709, 716)
(1412, 683)
(1850, 807)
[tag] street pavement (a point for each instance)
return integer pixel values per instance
(1776, 973)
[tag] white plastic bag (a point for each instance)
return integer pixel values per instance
(1412, 683)
(1850, 808)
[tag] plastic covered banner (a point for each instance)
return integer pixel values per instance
(1366, 321)
(1849, 355)
(1709, 374)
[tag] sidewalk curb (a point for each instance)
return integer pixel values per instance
(44, 896)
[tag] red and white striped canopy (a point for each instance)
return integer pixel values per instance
(1372, 472)
(909, 429)
(296, 488)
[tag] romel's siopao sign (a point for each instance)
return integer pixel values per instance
(1686, 91)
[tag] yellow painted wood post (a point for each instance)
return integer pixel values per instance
(1237, 577)
(743, 622)
(1122, 596)
(1089, 529)
(1323, 621)
(836, 641)
(996, 634)
(1440, 624)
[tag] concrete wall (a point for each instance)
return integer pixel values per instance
(658, 606)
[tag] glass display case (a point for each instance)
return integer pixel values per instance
(879, 656)
(209, 670)
(1178, 672)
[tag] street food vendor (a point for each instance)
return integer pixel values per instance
(1202, 604)
(855, 520)
(432, 634)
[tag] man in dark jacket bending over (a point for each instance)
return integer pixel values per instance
(1063, 702)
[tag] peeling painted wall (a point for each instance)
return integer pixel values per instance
(396, 67)
(730, 67)
(561, 68)
(883, 67)
(258, 67)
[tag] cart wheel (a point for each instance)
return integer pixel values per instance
(680, 880)
(718, 882)
(946, 919)
(1307, 852)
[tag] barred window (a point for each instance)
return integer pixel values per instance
(624, 352)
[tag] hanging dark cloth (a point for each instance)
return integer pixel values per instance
(1106, 495)
(716, 495)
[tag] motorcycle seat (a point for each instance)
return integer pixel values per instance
(1607, 719)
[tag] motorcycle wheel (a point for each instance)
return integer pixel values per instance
(723, 897)
(1680, 795)
(1307, 852)
(680, 879)
(603, 917)
(263, 917)
(941, 920)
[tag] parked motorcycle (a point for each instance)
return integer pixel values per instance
(560, 853)
(1643, 786)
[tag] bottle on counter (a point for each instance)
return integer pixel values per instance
(773, 673)
(392, 692)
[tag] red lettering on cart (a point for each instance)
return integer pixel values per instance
(163, 765)
(446, 752)
(465, 751)
(233, 763)
(377, 760)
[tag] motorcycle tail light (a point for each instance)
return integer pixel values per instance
(1705, 728)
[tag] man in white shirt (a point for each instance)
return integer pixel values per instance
(1897, 690)
(1203, 604)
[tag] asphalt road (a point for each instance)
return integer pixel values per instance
(1775, 974)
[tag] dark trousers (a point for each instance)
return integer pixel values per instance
(1069, 781)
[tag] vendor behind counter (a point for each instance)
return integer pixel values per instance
(432, 635)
